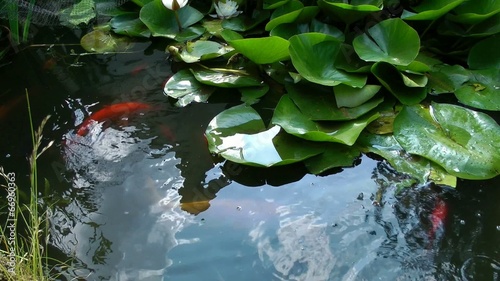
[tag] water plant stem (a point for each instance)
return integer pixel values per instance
(178, 20)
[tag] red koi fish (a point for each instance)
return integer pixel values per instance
(111, 112)
(438, 218)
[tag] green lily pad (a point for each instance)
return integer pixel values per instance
(288, 30)
(79, 13)
(447, 79)
(245, 23)
(415, 166)
(263, 50)
(399, 84)
(273, 4)
(465, 143)
(130, 25)
(318, 103)
(347, 96)
(485, 54)
(352, 12)
(226, 78)
(186, 89)
(482, 90)
(161, 21)
(251, 95)
(474, 12)
(239, 135)
(335, 155)
(348, 60)
(485, 28)
(286, 13)
(190, 33)
(320, 67)
(99, 41)
(301, 126)
(431, 10)
(203, 50)
(391, 41)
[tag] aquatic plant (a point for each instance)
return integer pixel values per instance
(322, 82)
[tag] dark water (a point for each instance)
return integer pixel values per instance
(143, 199)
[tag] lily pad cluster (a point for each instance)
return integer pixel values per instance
(322, 82)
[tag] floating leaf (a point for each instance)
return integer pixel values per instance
(318, 103)
(273, 4)
(161, 21)
(79, 13)
(347, 96)
(474, 12)
(482, 90)
(251, 95)
(286, 13)
(203, 50)
(350, 13)
(485, 54)
(129, 24)
(397, 83)
(226, 78)
(465, 143)
(391, 41)
(186, 89)
(447, 79)
(244, 23)
(238, 134)
(301, 126)
(263, 50)
(189, 33)
(431, 10)
(335, 155)
(288, 30)
(320, 67)
(99, 41)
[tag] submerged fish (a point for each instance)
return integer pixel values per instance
(437, 219)
(111, 112)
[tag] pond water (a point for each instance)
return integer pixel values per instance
(142, 198)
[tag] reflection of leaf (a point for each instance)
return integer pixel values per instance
(464, 142)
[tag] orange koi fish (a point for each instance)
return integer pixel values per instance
(438, 218)
(111, 112)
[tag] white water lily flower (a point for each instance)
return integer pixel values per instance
(174, 5)
(226, 10)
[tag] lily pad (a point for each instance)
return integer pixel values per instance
(238, 134)
(415, 166)
(251, 95)
(352, 12)
(226, 78)
(465, 143)
(301, 126)
(335, 155)
(347, 96)
(161, 21)
(288, 30)
(203, 50)
(263, 50)
(474, 12)
(318, 103)
(244, 23)
(130, 25)
(482, 90)
(99, 41)
(320, 67)
(286, 13)
(485, 54)
(186, 89)
(399, 84)
(431, 10)
(391, 41)
(447, 79)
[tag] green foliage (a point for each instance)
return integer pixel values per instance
(333, 76)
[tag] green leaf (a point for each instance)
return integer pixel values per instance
(251, 95)
(245, 23)
(392, 41)
(335, 155)
(189, 33)
(415, 166)
(474, 12)
(263, 50)
(226, 78)
(130, 25)
(447, 79)
(318, 103)
(397, 83)
(485, 54)
(465, 143)
(288, 30)
(431, 10)
(99, 41)
(482, 90)
(301, 126)
(487, 27)
(161, 21)
(273, 4)
(203, 50)
(186, 89)
(350, 13)
(320, 67)
(347, 96)
(80, 13)
(286, 13)
(238, 134)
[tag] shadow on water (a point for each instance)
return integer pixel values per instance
(142, 199)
